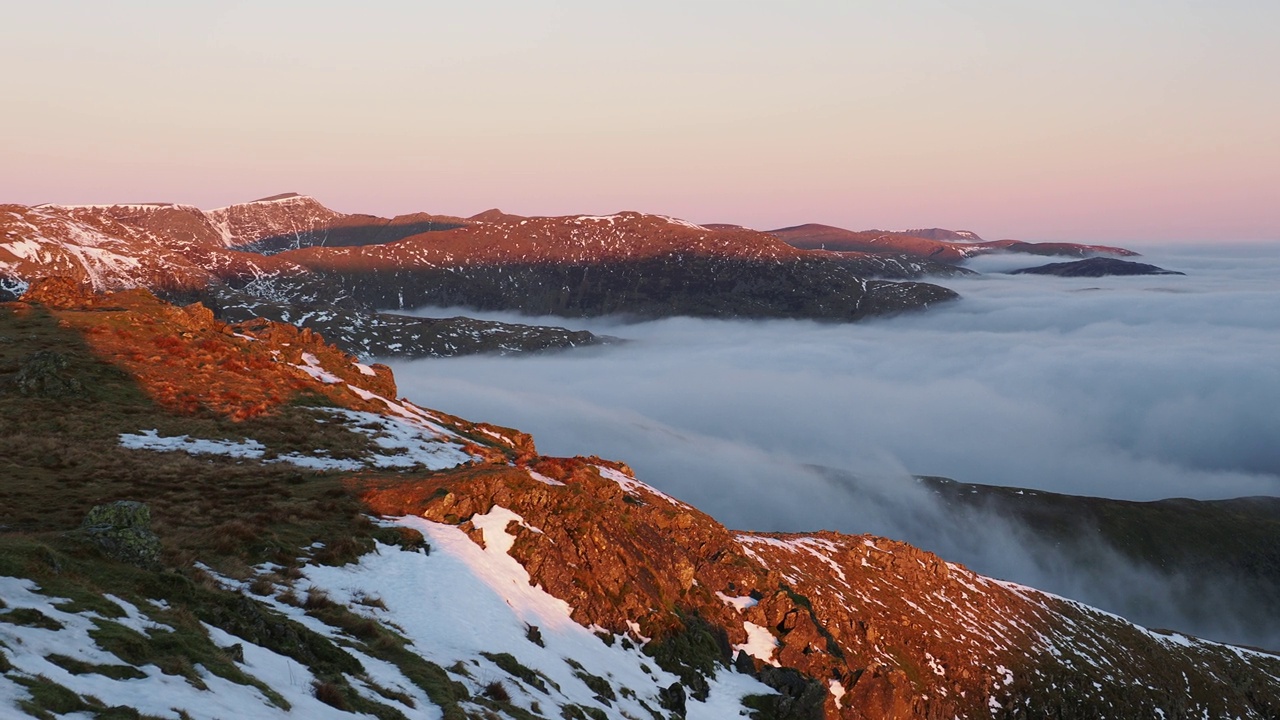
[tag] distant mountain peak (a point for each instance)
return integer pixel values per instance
(282, 196)
(494, 215)
(943, 234)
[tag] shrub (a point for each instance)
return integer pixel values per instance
(497, 691)
(317, 600)
(330, 694)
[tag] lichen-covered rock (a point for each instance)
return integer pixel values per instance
(122, 530)
(44, 375)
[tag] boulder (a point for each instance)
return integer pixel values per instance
(122, 530)
(43, 375)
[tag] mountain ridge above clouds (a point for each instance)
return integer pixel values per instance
(291, 249)
(948, 246)
(1095, 267)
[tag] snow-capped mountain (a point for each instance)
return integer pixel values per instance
(291, 250)
(158, 246)
(943, 234)
(187, 253)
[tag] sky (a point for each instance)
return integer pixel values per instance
(1088, 120)
(1137, 388)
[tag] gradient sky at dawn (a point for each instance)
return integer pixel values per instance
(1083, 120)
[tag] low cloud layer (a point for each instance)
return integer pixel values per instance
(1137, 388)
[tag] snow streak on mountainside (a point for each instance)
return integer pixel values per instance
(123, 246)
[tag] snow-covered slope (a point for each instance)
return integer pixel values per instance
(123, 246)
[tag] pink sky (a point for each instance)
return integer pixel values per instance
(1156, 121)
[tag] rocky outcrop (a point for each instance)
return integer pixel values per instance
(659, 287)
(187, 360)
(841, 626)
(122, 530)
(375, 334)
(889, 630)
(43, 375)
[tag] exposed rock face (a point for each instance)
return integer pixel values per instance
(1095, 267)
(629, 263)
(187, 360)
(375, 334)
(890, 630)
(661, 287)
(122, 530)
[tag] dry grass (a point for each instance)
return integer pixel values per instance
(60, 457)
(497, 691)
(330, 694)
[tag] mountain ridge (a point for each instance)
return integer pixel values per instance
(934, 244)
(292, 249)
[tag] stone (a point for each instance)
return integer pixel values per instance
(122, 530)
(43, 375)
(59, 292)
(673, 698)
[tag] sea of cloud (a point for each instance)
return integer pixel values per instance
(1126, 387)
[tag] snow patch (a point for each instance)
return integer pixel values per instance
(837, 691)
(760, 643)
(157, 694)
(543, 478)
(313, 368)
(682, 223)
(151, 440)
(632, 485)
(740, 603)
(399, 445)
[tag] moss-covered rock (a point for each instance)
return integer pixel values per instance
(122, 530)
(44, 374)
